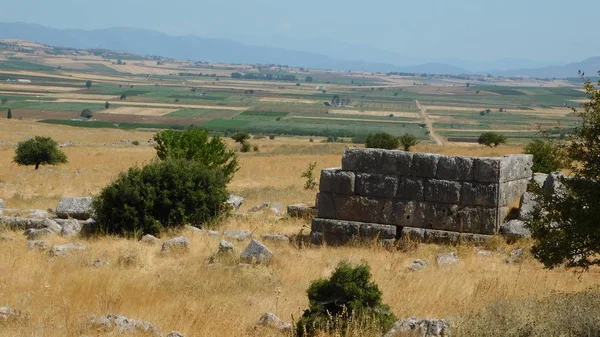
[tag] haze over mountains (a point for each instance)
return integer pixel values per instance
(312, 53)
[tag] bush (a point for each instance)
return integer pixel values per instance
(240, 137)
(345, 298)
(135, 142)
(311, 182)
(255, 148)
(245, 147)
(546, 156)
(382, 140)
(39, 151)
(271, 137)
(195, 145)
(491, 139)
(407, 140)
(86, 113)
(164, 194)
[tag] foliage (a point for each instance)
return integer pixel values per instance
(240, 137)
(255, 148)
(136, 142)
(309, 175)
(86, 113)
(195, 145)
(161, 195)
(9, 114)
(566, 232)
(407, 141)
(271, 137)
(491, 139)
(547, 156)
(245, 147)
(88, 84)
(106, 105)
(39, 151)
(347, 296)
(382, 140)
(123, 97)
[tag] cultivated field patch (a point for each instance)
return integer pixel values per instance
(375, 113)
(139, 111)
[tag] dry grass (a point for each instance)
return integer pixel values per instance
(137, 111)
(375, 113)
(186, 294)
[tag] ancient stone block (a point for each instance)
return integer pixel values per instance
(358, 208)
(443, 191)
(350, 229)
(362, 160)
(516, 167)
(480, 194)
(337, 181)
(410, 189)
(325, 205)
(455, 168)
(511, 192)
(397, 162)
(435, 216)
(376, 185)
(424, 165)
(440, 236)
(486, 170)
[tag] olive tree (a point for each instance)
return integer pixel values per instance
(39, 151)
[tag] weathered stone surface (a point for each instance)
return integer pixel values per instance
(377, 161)
(403, 213)
(235, 201)
(1, 205)
(516, 167)
(539, 179)
(345, 230)
(486, 170)
(417, 265)
(301, 211)
(194, 229)
(455, 168)
(175, 334)
(38, 214)
(276, 208)
(424, 165)
(77, 208)
(376, 185)
(149, 240)
(70, 228)
(514, 230)
(442, 191)
(37, 244)
(270, 320)
(225, 247)
(438, 236)
(123, 325)
(528, 207)
(553, 183)
(484, 252)
(337, 181)
(411, 189)
(175, 245)
(256, 252)
(275, 238)
(8, 314)
(62, 250)
(480, 194)
(100, 263)
(325, 205)
(237, 234)
(212, 233)
(358, 208)
(53, 225)
(445, 259)
(516, 256)
(18, 223)
(36, 234)
(511, 191)
(420, 327)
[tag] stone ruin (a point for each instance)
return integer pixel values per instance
(387, 195)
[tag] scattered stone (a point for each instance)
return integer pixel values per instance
(149, 239)
(539, 179)
(270, 320)
(483, 252)
(446, 259)
(35, 234)
(417, 265)
(38, 213)
(78, 208)
(256, 252)
(70, 228)
(1, 206)
(37, 244)
(276, 208)
(516, 256)
(235, 201)
(62, 250)
(53, 225)
(194, 229)
(88, 227)
(237, 234)
(6, 313)
(277, 238)
(175, 334)
(420, 327)
(100, 263)
(301, 211)
(176, 245)
(213, 233)
(18, 223)
(122, 324)
(225, 247)
(514, 230)
(528, 206)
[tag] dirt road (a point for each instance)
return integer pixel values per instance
(434, 136)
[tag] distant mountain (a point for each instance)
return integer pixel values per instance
(147, 42)
(590, 66)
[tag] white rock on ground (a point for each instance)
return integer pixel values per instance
(256, 252)
(528, 206)
(235, 201)
(37, 244)
(270, 320)
(539, 179)
(53, 225)
(38, 213)
(276, 238)
(225, 247)
(417, 265)
(70, 228)
(36, 234)
(514, 230)
(149, 239)
(445, 259)
(62, 250)
(71, 207)
(6, 313)
(237, 234)
(122, 324)
(176, 245)
(430, 327)
(276, 208)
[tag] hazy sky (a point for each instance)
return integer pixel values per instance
(471, 29)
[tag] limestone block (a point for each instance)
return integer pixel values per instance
(529, 207)
(516, 167)
(511, 191)
(325, 205)
(377, 161)
(411, 189)
(345, 230)
(442, 191)
(376, 185)
(486, 170)
(337, 181)
(439, 236)
(455, 168)
(425, 165)
(480, 194)
(358, 208)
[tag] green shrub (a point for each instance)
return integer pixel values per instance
(255, 148)
(382, 140)
(310, 183)
(271, 137)
(546, 156)
(491, 139)
(135, 142)
(407, 140)
(240, 137)
(245, 147)
(86, 113)
(348, 297)
(39, 151)
(161, 195)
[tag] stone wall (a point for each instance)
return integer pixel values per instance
(382, 193)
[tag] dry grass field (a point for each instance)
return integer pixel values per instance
(184, 293)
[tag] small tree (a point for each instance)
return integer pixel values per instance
(106, 105)
(245, 147)
(88, 84)
(309, 175)
(240, 137)
(86, 113)
(382, 140)
(123, 97)
(39, 151)
(491, 139)
(547, 157)
(407, 141)
(348, 296)
(9, 114)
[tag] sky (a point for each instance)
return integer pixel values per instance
(557, 30)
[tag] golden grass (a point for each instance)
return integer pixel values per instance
(137, 111)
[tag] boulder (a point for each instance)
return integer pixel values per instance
(539, 179)
(225, 247)
(237, 234)
(445, 259)
(276, 238)
(528, 206)
(514, 230)
(235, 201)
(175, 334)
(62, 250)
(553, 183)
(78, 208)
(149, 239)
(123, 325)
(37, 244)
(270, 320)
(420, 327)
(194, 229)
(516, 256)
(256, 252)
(35, 234)
(301, 211)
(38, 214)
(51, 224)
(6, 314)
(276, 208)
(70, 228)
(88, 227)
(417, 265)
(176, 245)
(100, 263)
